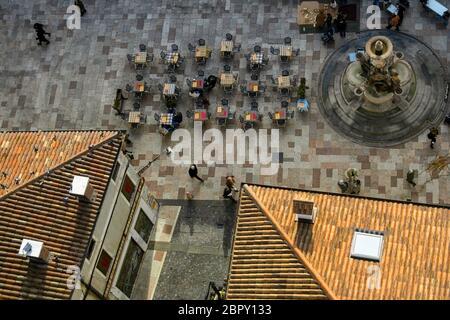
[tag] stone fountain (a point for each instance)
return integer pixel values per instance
(394, 90)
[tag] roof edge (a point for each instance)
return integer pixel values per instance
(327, 290)
(80, 154)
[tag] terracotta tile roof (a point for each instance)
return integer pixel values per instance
(263, 264)
(415, 261)
(39, 211)
(27, 155)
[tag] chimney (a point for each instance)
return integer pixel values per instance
(305, 211)
(35, 250)
(82, 188)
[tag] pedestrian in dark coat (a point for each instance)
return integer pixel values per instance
(401, 13)
(329, 24)
(193, 172)
(40, 33)
(434, 132)
(341, 25)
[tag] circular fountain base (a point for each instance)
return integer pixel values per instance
(384, 120)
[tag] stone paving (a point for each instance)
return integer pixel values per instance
(71, 84)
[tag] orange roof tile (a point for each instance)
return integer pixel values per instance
(415, 262)
(39, 211)
(27, 155)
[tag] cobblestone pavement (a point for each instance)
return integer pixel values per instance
(71, 85)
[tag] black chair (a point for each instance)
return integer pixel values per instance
(157, 117)
(189, 82)
(224, 102)
(136, 105)
(172, 78)
(200, 73)
(237, 48)
(284, 104)
(273, 80)
(174, 47)
(142, 47)
(254, 76)
(228, 37)
(139, 77)
(189, 114)
(285, 73)
(254, 106)
(160, 87)
(274, 51)
(241, 119)
(163, 55)
(270, 115)
(130, 58)
(201, 42)
(129, 88)
(226, 68)
(247, 56)
(257, 49)
(287, 41)
(191, 47)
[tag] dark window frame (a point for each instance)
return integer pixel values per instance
(99, 265)
(128, 195)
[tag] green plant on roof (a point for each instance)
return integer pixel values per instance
(301, 91)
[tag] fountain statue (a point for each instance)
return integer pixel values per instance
(379, 79)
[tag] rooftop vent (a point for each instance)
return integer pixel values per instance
(82, 188)
(35, 250)
(305, 211)
(367, 245)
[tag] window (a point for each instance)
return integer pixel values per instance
(128, 188)
(116, 171)
(367, 245)
(90, 249)
(104, 262)
(143, 226)
(130, 268)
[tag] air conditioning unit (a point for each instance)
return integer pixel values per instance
(82, 188)
(35, 250)
(305, 211)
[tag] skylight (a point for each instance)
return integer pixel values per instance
(367, 245)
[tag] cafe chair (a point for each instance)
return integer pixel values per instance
(201, 42)
(273, 80)
(189, 82)
(129, 88)
(191, 47)
(287, 41)
(172, 78)
(254, 106)
(224, 102)
(247, 56)
(142, 47)
(243, 89)
(262, 88)
(274, 51)
(257, 49)
(297, 52)
(241, 119)
(139, 77)
(160, 87)
(150, 58)
(162, 55)
(228, 37)
(226, 68)
(189, 114)
(270, 115)
(136, 105)
(281, 123)
(285, 73)
(265, 61)
(248, 125)
(237, 47)
(284, 104)
(157, 117)
(201, 73)
(254, 76)
(291, 114)
(130, 58)
(174, 47)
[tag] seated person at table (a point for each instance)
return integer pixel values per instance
(195, 93)
(177, 119)
(320, 19)
(210, 83)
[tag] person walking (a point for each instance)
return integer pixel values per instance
(341, 25)
(410, 177)
(193, 172)
(401, 14)
(394, 22)
(434, 132)
(329, 24)
(40, 33)
(80, 5)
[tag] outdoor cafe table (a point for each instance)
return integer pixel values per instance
(227, 79)
(201, 52)
(256, 57)
(140, 57)
(134, 117)
(172, 57)
(286, 51)
(251, 116)
(200, 115)
(169, 89)
(284, 82)
(222, 112)
(197, 84)
(226, 46)
(166, 119)
(139, 86)
(253, 86)
(279, 115)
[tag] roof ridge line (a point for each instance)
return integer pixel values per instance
(327, 290)
(51, 170)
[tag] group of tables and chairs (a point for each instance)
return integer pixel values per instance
(286, 51)
(141, 58)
